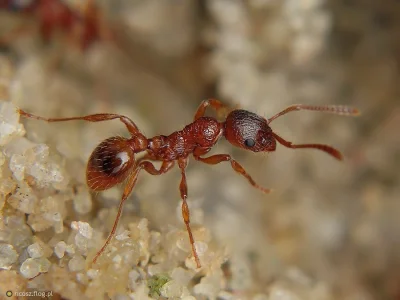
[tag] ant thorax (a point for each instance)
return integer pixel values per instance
(202, 133)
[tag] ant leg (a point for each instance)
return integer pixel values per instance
(218, 158)
(40, 273)
(127, 190)
(328, 149)
(147, 156)
(130, 125)
(147, 166)
(333, 109)
(214, 103)
(185, 208)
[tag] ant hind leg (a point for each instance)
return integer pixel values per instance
(127, 191)
(130, 125)
(148, 167)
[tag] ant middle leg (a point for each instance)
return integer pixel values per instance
(327, 149)
(214, 103)
(185, 208)
(151, 169)
(218, 158)
(130, 125)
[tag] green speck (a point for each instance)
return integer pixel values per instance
(155, 283)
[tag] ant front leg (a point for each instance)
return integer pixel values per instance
(214, 103)
(130, 125)
(148, 167)
(185, 208)
(218, 158)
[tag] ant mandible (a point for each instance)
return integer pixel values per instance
(113, 160)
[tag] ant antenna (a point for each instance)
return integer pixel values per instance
(333, 109)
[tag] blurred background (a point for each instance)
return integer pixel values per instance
(330, 230)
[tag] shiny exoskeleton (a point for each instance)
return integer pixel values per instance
(113, 160)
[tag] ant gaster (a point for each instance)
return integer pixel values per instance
(113, 160)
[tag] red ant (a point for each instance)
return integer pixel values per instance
(52, 15)
(113, 160)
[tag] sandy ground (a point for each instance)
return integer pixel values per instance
(328, 231)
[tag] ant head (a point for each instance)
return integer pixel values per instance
(249, 131)
(110, 163)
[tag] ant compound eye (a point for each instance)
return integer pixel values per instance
(250, 143)
(109, 164)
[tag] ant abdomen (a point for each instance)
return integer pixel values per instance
(109, 164)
